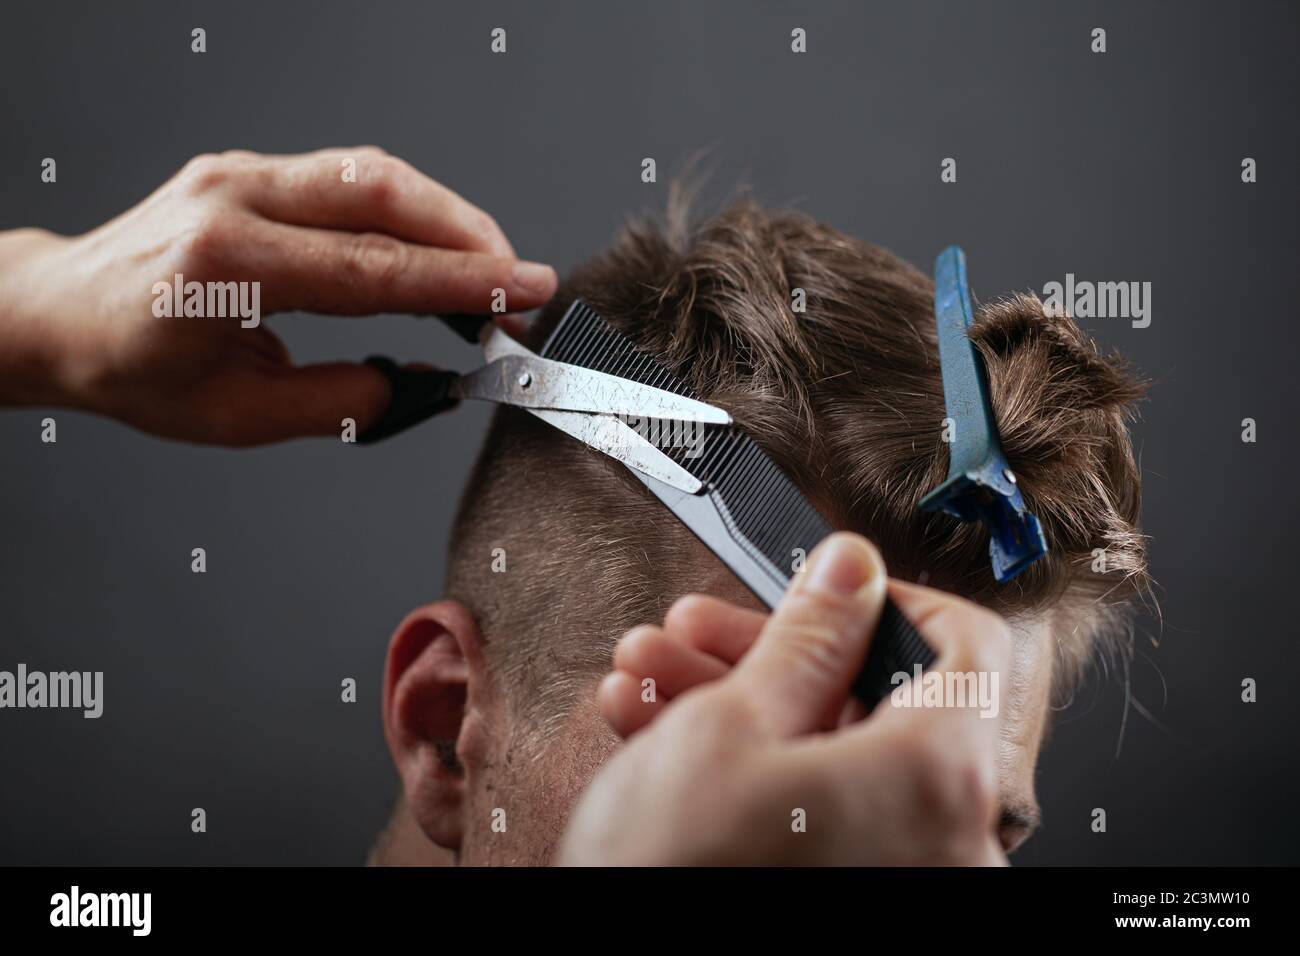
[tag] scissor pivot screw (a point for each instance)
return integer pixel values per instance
(1009, 475)
(525, 380)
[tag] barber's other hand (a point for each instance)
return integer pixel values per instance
(719, 774)
(78, 329)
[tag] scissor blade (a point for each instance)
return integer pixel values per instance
(534, 383)
(614, 438)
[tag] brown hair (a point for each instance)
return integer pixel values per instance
(846, 397)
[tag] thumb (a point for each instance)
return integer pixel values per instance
(804, 662)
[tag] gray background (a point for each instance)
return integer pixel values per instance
(222, 690)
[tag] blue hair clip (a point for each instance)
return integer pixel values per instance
(981, 485)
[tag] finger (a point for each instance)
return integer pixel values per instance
(514, 324)
(950, 733)
(366, 190)
(894, 799)
(966, 636)
(262, 406)
(714, 626)
(852, 712)
(991, 854)
(675, 667)
(622, 703)
(368, 273)
(931, 769)
(800, 669)
(972, 654)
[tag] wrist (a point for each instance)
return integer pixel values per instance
(37, 361)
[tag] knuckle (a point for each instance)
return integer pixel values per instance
(382, 176)
(815, 645)
(374, 257)
(976, 638)
(635, 645)
(985, 641)
(640, 632)
(209, 242)
(819, 617)
(205, 172)
(498, 271)
(686, 612)
(244, 166)
(377, 182)
(483, 224)
(478, 276)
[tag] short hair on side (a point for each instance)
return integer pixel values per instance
(847, 398)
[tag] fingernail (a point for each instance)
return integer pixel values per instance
(534, 277)
(841, 565)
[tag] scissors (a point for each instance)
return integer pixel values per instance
(589, 405)
(732, 496)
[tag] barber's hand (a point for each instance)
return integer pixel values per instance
(719, 773)
(77, 321)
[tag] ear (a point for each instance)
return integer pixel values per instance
(432, 677)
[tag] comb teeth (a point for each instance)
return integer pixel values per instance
(761, 503)
(767, 508)
(583, 338)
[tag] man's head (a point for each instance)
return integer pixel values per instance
(489, 696)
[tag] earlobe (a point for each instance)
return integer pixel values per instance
(431, 659)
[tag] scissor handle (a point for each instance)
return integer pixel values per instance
(465, 325)
(418, 393)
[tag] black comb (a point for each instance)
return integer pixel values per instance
(750, 514)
